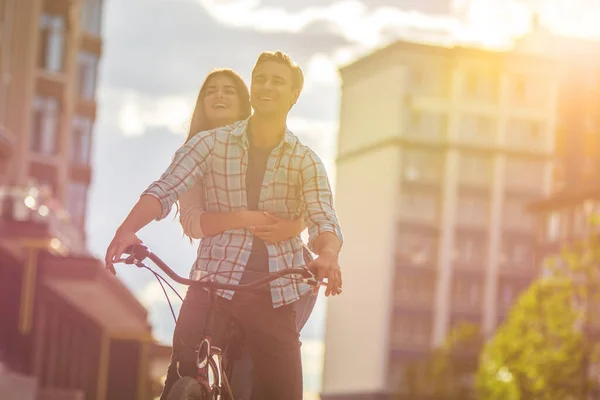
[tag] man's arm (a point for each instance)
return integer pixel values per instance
(327, 243)
(325, 235)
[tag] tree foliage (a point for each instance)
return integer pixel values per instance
(544, 348)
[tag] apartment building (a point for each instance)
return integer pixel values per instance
(68, 329)
(440, 151)
(50, 55)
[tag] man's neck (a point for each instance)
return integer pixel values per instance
(267, 132)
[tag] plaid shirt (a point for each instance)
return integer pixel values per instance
(295, 181)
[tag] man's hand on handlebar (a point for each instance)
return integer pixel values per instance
(326, 266)
(117, 246)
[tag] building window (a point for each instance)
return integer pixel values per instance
(470, 249)
(51, 47)
(87, 64)
(581, 223)
(516, 216)
(91, 16)
(525, 175)
(428, 126)
(422, 166)
(413, 289)
(430, 81)
(477, 129)
(81, 132)
(508, 293)
(472, 210)
(553, 227)
(518, 89)
(526, 134)
(76, 201)
(44, 126)
(528, 90)
(517, 254)
(466, 293)
(416, 248)
(419, 206)
(411, 330)
(481, 85)
(476, 170)
(522, 254)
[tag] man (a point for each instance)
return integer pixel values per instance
(254, 164)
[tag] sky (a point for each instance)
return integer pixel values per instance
(157, 53)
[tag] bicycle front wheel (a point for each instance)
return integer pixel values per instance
(188, 388)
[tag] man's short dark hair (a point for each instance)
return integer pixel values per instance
(283, 58)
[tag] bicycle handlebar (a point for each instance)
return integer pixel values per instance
(139, 252)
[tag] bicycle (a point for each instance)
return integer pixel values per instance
(214, 365)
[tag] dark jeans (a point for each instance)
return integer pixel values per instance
(271, 335)
(241, 380)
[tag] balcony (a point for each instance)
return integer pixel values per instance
(61, 7)
(91, 43)
(51, 84)
(80, 173)
(86, 108)
(31, 214)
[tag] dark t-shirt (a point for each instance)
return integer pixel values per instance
(257, 164)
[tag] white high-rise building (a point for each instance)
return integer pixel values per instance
(440, 150)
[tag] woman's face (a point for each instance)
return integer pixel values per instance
(221, 101)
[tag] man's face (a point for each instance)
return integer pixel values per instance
(272, 91)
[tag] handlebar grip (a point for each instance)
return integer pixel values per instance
(138, 251)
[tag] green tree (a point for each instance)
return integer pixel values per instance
(543, 351)
(447, 372)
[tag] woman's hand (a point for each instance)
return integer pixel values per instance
(122, 240)
(277, 229)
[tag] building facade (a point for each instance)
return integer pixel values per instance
(564, 215)
(440, 151)
(68, 329)
(50, 54)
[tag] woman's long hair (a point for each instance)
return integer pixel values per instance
(199, 121)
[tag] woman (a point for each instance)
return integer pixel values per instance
(222, 100)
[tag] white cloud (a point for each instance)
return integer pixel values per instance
(321, 69)
(484, 22)
(350, 18)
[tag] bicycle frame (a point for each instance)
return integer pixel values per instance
(209, 358)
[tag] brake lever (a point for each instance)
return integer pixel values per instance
(316, 283)
(130, 260)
